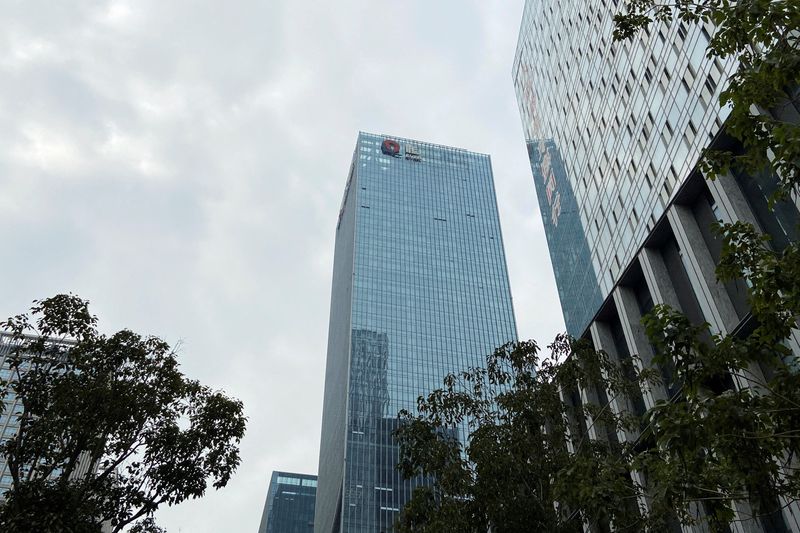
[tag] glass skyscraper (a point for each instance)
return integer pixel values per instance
(420, 289)
(569, 251)
(614, 133)
(9, 425)
(290, 504)
(12, 406)
(628, 121)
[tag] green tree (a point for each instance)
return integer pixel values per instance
(528, 464)
(728, 440)
(109, 428)
(733, 435)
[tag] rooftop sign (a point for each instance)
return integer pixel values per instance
(392, 148)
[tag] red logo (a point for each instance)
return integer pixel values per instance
(390, 147)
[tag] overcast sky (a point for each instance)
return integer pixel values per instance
(181, 164)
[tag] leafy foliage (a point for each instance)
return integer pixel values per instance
(727, 440)
(517, 471)
(110, 429)
(536, 457)
(733, 436)
(764, 91)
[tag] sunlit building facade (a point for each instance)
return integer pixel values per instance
(420, 289)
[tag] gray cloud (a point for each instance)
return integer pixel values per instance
(181, 165)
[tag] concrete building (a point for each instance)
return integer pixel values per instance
(675, 265)
(420, 289)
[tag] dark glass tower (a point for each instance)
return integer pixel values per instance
(290, 504)
(420, 289)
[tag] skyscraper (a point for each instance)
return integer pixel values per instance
(614, 133)
(12, 405)
(613, 128)
(9, 425)
(290, 504)
(420, 289)
(569, 251)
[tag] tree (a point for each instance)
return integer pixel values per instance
(109, 428)
(764, 91)
(729, 439)
(735, 432)
(527, 464)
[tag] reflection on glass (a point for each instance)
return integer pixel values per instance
(420, 290)
(566, 236)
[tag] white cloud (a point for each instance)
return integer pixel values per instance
(181, 164)
(118, 14)
(131, 151)
(48, 149)
(22, 52)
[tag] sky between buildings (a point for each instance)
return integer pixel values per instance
(181, 165)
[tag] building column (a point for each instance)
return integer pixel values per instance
(728, 196)
(656, 276)
(603, 340)
(568, 426)
(636, 338)
(712, 296)
(659, 284)
(701, 269)
(594, 429)
(791, 514)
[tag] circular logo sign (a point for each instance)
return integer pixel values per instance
(390, 147)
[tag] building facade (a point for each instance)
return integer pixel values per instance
(420, 289)
(290, 504)
(9, 425)
(12, 405)
(628, 121)
(675, 265)
(570, 254)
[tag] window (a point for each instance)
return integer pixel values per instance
(710, 84)
(682, 31)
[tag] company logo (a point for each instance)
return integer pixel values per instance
(412, 153)
(391, 147)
